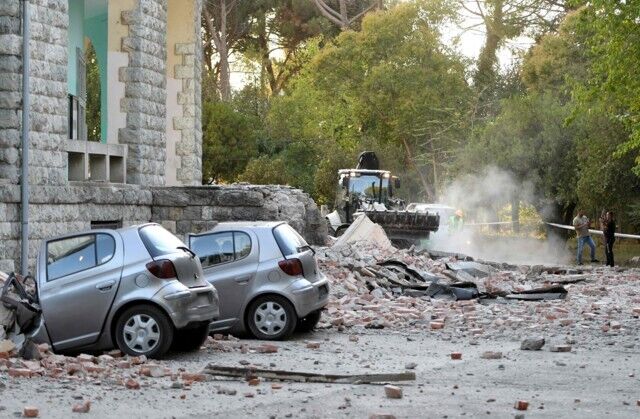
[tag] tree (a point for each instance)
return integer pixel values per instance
(400, 85)
(615, 72)
(504, 20)
(226, 22)
(228, 142)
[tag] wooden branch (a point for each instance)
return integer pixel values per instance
(306, 377)
(329, 13)
(362, 13)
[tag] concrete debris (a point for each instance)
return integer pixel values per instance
(532, 344)
(363, 230)
(392, 392)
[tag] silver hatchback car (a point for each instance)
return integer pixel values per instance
(267, 277)
(138, 288)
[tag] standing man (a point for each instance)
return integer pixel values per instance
(581, 224)
(609, 237)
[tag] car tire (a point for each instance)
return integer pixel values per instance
(271, 317)
(157, 331)
(188, 340)
(340, 230)
(309, 322)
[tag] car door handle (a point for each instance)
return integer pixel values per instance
(106, 285)
(243, 279)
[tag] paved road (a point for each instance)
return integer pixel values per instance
(597, 379)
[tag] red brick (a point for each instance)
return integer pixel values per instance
(193, 377)
(393, 392)
(521, 405)
(456, 355)
(436, 325)
(20, 372)
(132, 384)
(30, 412)
(83, 407)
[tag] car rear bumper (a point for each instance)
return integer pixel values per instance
(308, 296)
(187, 306)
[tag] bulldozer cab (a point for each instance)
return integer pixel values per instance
(364, 190)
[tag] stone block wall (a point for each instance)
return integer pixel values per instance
(57, 210)
(197, 209)
(145, 92)
(48, 92)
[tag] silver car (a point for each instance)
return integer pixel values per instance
(267, 277)
(138, 288)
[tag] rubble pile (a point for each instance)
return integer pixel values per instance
(364, 293)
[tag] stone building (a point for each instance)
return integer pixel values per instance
(148, 147)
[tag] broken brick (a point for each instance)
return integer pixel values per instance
(267, 348)
(83, 407)
(132, 384)
(393, 392)
(456, 355)
(30, 412)
(186, 376)
(521, 405)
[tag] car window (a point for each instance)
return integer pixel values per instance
(288, 239)
(159, 241)
(242, 245)
(216, 248)
(76, 254)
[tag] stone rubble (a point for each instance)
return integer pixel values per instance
(600, 300)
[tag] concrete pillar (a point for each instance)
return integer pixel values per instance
(184, 76)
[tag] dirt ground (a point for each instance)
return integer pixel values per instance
(599, 377)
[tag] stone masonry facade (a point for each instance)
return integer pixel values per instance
(145, 92)
(48, 111)
(189, 148)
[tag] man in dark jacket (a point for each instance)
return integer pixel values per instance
(609, 237)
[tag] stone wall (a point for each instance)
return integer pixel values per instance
(48, 93)
(57, 210)
(197, 209)
(145, 92)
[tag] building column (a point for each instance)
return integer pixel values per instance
(145, 95)
(184, 76)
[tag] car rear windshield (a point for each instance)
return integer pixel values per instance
(159, 241)
(288, 239)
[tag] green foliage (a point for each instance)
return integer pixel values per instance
(228, 141)
(93, 108)
(264, 171)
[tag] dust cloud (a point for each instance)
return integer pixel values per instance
(481, 197)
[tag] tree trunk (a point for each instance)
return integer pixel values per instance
(223, 52)
(485, 76)
(425, 184)
(515, 214)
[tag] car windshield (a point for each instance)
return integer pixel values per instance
(288, 239)
(159, 241)
(368, 186)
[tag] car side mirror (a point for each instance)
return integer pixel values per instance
(345, 182)
(396, 183)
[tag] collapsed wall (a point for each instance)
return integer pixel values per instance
(57, 210)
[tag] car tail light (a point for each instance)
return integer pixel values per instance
(162, 268)
(291, 267)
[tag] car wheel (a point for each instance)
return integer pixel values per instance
(187, 340)
(271, 317)
(307, 323)
(144, 330)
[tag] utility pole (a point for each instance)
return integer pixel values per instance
(24, 180)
